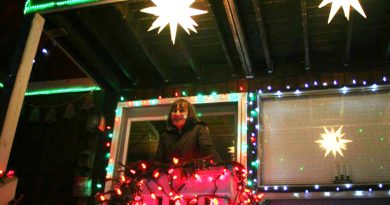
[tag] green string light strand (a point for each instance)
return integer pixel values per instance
(252, 139)
(31, 6)
(57, 105)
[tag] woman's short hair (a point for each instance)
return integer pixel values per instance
(191, 117)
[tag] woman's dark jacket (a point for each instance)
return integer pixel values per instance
(192, 143)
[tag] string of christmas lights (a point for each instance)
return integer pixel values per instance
(252, 129)
(141, 179)
(6, 175)
(252, 132)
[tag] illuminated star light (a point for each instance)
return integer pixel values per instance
(337, 4)
(332, 141)
(173, 12)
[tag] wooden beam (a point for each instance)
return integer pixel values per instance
(348, 40)
(305, 34)
(263, 35)
(223, 40)
(239, 37)
(188, 52)
(146, 46)
(108, 44)
(16, 84)
(387, 57)
(78, 63)
(87, 52)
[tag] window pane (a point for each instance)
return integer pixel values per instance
(291, 127)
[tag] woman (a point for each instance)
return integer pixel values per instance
(186, 139)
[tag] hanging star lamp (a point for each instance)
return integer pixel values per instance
(337, 4)
(332, 141)
(173, 12)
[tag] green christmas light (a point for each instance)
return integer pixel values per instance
(98, 186)
(32, 6)
(110, 168)
(253, 113)
(153, 101)
(249, 183)
(122, 99)
(137, 103)
(108, 155)
(200, 97)
(110, 135)
(1, 85)
(63, 90)
(254, 164)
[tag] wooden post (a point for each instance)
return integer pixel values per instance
(17, 86)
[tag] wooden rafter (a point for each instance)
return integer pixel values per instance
(263, 35)
(387, 57)
(348, 40)
(84, 49)
(239, 37)
(305, 34)
(92, 76)
(115, 54)
(223, 41)
(146, 46)
(188, 52)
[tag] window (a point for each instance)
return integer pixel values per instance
(291, 127)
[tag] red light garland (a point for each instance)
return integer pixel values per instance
(143, 176)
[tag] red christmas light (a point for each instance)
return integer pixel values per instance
(197, 177)
(170, 171)
(175, 160)
(102, 198)
(118, 191)
(10, 173)
(253, 139)
(156, 174)
(194, 201)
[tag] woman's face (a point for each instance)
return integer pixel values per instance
(179, 115)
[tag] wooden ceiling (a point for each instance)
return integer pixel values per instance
(236, 39)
